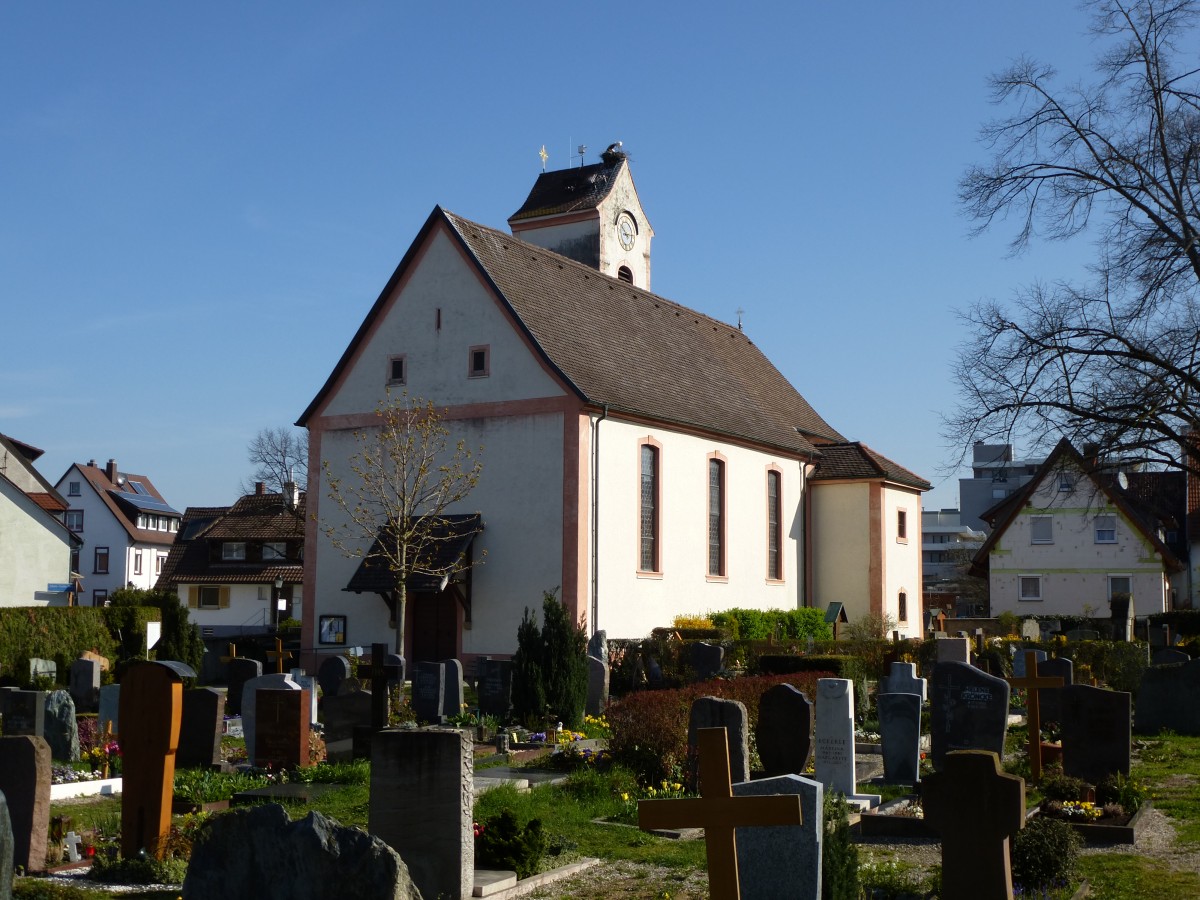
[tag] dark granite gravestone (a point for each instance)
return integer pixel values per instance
(903, 679)
(1167, 699)
(1051, 698)
(429, 693)
(270, 681)
(110, 703)
(783, 861)
(394, 666)
(61, 730)
(1096, 732)
(85, 684)
(968, 710)
(953, 649)
(714, 712)
(495, 689)
(24, 713)
(151, 712)
(25, 774)
(345, 712)
(6, 851)
(200, 728)
(1168, 656)
(452, 688)
(598, 682)
(784, 730)
(241, 670)
(282, 730)
(707, 659)
(1018, 661)
(900, 735)
(331, 673)
(1083, 634)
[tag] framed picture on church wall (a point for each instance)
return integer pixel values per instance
(331, 630)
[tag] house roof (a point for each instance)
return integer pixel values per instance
(569, 190)
(594, 331)
(123, 501)
(855, 460)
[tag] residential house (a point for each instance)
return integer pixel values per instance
(35, 543)
(640, 458)
(995, 475)
(126, 526)
(239, 568)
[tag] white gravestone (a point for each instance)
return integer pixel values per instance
(835, 741)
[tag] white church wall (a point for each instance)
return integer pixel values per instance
(902, 559)
(841, 546)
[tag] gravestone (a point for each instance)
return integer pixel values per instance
(85, 684)
(1051, 698)
(241, 670)
(420, 806)
(1096, 732)
(784, 730)
(200, 726)
(43, 668)
(968, 711)
(24, 713)
(452, 680)
(1031, 630)
(707, 659)
(6, 850)
(1166, 698)
(61, 731)
(429, 693)
(307, 683)
(282, 729)
(714, 712)
(1033, 684)
(783, 862)
(597, 646)
(110, 702)
(1019, 665)
(976, 808)
(954, 649)
(345, 712)
(900, 735)
(495, 689)
(1168, 656)
(903, 679)
(331, 673)
(834, 745)
(151, 710)
(273, 681)
(25, 774)
(598, 682)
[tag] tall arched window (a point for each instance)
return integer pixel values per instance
(774, 525)
(648, 509)
(716, 517)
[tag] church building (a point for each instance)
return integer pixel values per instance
(641, 458)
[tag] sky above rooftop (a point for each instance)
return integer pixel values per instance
(200, 202)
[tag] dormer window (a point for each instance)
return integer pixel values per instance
(274, 550)
(233, 550)
(479, 361)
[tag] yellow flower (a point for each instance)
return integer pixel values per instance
(625, 797)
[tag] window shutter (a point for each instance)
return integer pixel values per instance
(223, 602)
(193, 596)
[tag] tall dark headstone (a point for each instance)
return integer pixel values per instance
(200, 728)
(495, 689)
(281, 739)
(331, 673)
(429, 693)
(900, 735)
(1167, 699)
(25, 774)
(24, 713)
(452, 688)
(151, 711)
(968, 710)
(784, 730)
(85, 684)
(1096, 732)
(6, 850)
(380, 710)
(241, 670)
(1051, 698)
(707, 659)
(715, 712)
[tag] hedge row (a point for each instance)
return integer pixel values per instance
(1182, 621)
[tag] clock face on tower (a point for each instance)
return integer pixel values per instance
(626, 231)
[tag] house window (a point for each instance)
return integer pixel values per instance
(902, 526)
(142, 520)
(73, 489)
(1041, 529)
(999, 493)
(208, 597)
(396, 370)
(479, 361)
(1106, 529)
(902, 607)
(1066, 483)
(1119, 585)
(137, 562)
(648, 512)
(716, 517)
(74, 559)
(233, 550)
(274, 550)
(74, 519)
(158, 563)
(99, 597)
(774, 527)
(100, 562)
(1030, 587)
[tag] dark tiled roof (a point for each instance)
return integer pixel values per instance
(450, 537)
(568, 190)
(260, 517)
(855, 460)
(99, 480)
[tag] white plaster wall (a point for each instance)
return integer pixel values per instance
(249, 606)
(841, 546)
(902, 559)
(630, 605)
(33, 552)
(624, 198)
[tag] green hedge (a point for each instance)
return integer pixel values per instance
(781, 624)
(59, 633)
(1182, 621)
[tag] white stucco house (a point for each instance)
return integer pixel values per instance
(35, 544)
(640, 457)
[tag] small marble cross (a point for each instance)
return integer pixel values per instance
(73, 841)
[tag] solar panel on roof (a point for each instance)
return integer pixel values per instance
(148, 503)
(139, 488)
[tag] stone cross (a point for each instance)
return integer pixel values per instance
(976, 808)
(279, 655)
(719, 813)
(1032, 683)
(73, 841)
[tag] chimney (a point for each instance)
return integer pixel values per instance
(259, 488)
(110, 470)
(92, 463)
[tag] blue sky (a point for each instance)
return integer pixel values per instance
(200, 202)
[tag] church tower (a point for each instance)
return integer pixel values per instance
(591, 214)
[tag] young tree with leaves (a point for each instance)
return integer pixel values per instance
(395, 502)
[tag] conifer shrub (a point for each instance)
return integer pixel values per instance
(564, 663)
(503, 843)
(528, 690)
(1044, 854)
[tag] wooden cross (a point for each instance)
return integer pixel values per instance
(279, 655)
(719, 813)
(1033, 715)
(232, 653)
(379, 687)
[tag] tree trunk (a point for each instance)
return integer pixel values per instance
(401, 605)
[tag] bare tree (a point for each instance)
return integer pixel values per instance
(1114, 361)
(279, 457)
(395, 503)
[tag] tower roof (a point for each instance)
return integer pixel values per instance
(569, 190)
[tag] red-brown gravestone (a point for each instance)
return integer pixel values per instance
(281, 729)
(976, 808)
(25, 775)
(150, 714)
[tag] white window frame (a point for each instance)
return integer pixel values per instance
(233, 550)
(1097, 531)
(1033, 538)
(1033, 580)
(272, 550)
(76, 516)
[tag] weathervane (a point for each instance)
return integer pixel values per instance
(740, 312)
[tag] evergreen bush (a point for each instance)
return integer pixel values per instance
(564, 663)
(1044, 854)
(59, 633)
(528, 690)
(502, 843)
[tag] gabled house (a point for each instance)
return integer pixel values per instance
(641, 458)
(239, 568)
(35, 544)
(124, 523)
(1079, 535)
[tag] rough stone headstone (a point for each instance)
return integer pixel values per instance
(1051, 698)
(707, 659)
(1168, 656)
(110, 703)
(429, 693)
(968, 711)
(900, 735)
(25, 774)
(495, 689)
(834, 745)
(24, 713)
(61, 730)
(200, 728)
(597, 646)
(903, 679)
(1031, 630)
(273, 681)
(1096, 732)
(714, 712)
(452, 679)
(421, 800)
(152, 710)
(85, 684)
(241, 670)
(954, 649)
(976, 808)
(6, 850)
(331, 673)
(783, 862)
(257, 852)
(598, 683)
(43, 668)
(308, 683)
(1018, 661)
(281, 729)
(784, 730)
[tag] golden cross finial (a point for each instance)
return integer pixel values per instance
(544, 155)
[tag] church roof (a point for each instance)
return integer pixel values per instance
(569, 190)
(855, 460)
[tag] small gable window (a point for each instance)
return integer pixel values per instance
(479, 361)
(73, 489)
(397, 370)
(274, 550)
